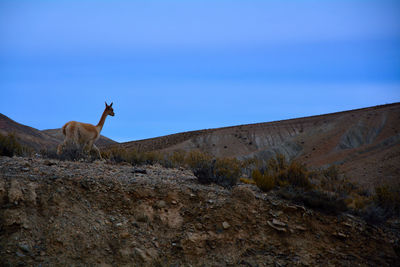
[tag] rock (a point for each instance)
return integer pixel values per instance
(141, 255)
(49, 163)
(24, 247)
(347, 224)
(125, 235)
(15, 192)
(31, 193)
(243, 194)
(340, 235)
(15, 216)
(279, 229)
(19, 254)
(2, 190)
(161, 204)
(125, 253)
(278, 223)
(174, 202)
(225, 225)
(299, 227)
(137, 170)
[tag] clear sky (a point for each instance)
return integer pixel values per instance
(173, 66)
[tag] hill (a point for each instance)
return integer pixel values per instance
(26, 135)
(364, 143)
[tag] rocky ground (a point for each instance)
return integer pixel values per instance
(62, 213)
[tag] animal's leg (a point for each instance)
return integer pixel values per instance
(89, 146)
(61, 146)
(98, 151)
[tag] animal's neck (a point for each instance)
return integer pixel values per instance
(99, 126)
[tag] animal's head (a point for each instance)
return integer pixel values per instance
(109, 109)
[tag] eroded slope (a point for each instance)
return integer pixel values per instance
(72, 213)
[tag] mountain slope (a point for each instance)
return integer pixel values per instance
(364, 142)
(26, 135)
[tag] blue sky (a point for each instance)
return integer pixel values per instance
(173, 66)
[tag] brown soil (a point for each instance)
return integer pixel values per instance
(60, 213)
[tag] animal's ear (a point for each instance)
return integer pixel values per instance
(111, 104)
(106, 103)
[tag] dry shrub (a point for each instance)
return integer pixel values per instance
(249, 164)
(247, 181)
(297, 175)
(388, 198)
(133, 156)
(72, 154)
(224, 171)
(196, 159)
(177, 158)
(227, 171)
(9, 146)
(151, 158)
(279, 172)
(323, 201)
(277, 164)
(332, 180)
(115, 154)
(264, 181)
(358, 202)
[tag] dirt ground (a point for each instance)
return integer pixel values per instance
(61, 213)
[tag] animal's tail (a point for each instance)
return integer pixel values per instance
(63, 128)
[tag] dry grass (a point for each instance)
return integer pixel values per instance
(264, 181)
(9, 146)
(278, 172)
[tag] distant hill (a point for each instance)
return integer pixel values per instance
(36, 139)
(57, 134)
(26, 135)
(364, 143)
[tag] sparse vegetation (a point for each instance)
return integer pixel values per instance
(326, 190)
(327, 202)
(134, 157)
(227, 171)
(388, 198)
(264, 181)
(177, 158)
(384, 204)
(9, 146)
(196, 159)
(247, 181)
(278, 172)
(222, 171)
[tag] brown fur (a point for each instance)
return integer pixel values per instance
(84, 134)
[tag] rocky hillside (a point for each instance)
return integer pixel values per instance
(61, 213)
(364, 143)
(36, 139)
